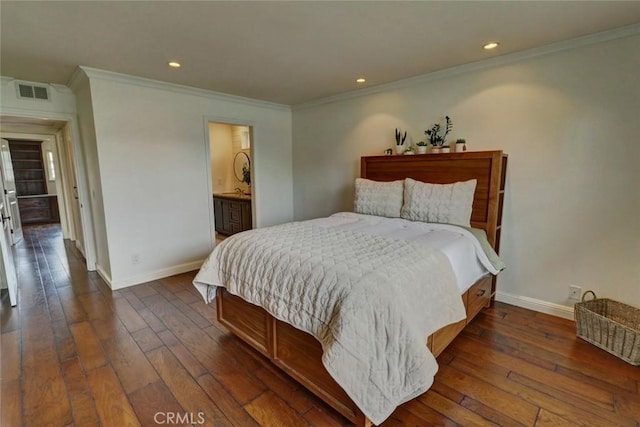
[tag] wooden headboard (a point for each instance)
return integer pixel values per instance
(488, 167)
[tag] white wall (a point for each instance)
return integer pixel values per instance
(89, 155)
(569, 121)
(151, 141)
(62, 100)
(221, 157)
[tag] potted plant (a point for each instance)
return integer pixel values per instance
(438, 135)
(421, 146)
(400, 141)
(409, 150)
(461, 145)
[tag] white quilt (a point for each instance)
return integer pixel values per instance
(370, 300)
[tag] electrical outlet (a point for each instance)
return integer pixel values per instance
(575, 292)
(135, 259)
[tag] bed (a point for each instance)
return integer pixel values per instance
(299, 353)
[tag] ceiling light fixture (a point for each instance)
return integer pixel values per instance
(361, 80)
(491, 45)
(174, 64)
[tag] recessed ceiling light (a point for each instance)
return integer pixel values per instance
(491, 45)
(361, 80)
(174, 64)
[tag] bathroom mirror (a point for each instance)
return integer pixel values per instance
(240, 161)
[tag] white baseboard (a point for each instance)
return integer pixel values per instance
(104, 275)
(536, 305)
(152, 275)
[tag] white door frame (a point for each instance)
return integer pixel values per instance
(207, 149)
(10, 197)
(81, 176)
(8, 267)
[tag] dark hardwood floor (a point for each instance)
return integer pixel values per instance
(75, 353)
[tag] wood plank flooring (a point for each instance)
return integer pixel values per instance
(76, 353)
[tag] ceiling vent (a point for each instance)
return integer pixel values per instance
(29, 91)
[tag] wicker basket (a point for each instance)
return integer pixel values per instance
(610, 325)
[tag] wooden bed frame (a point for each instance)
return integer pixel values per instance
(298, 353)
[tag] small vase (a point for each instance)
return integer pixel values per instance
(400, 149)
(445, 149)
(461, 147)
(422, 149)
(435, 149)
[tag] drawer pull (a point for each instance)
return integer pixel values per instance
(481, 292)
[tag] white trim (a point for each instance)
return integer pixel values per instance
(628, 31)
(207, 155)
(150, 276)
(81, 250)
(536, 305)
(103, 274)
(94, 73)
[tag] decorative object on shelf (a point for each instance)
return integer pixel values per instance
(438, 134)
(400, 141)
(445, 149)
(436, 149)
(410, 150)
(421, 146)
(461, 145)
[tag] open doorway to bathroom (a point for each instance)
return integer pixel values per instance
(230, 148)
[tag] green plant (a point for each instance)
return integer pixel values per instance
(399, 137)
(437, 134)
(409, 149)
(246, 174)
(421, 143)
(461, 141)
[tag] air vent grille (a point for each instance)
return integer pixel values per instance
(40, 92)
(28, 91)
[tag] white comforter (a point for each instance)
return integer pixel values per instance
(369, 299)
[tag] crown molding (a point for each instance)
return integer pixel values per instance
(94, 73)
(76, 79)
(623, 32)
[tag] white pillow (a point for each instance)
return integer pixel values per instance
(378, 198)
(442, 203)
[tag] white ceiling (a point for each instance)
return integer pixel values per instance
(285, 52)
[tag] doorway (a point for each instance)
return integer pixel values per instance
(231, 171)
(60, 164)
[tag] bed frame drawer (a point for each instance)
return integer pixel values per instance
(299, 354)
(250, 322)
(440, 339)
(478, 296)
